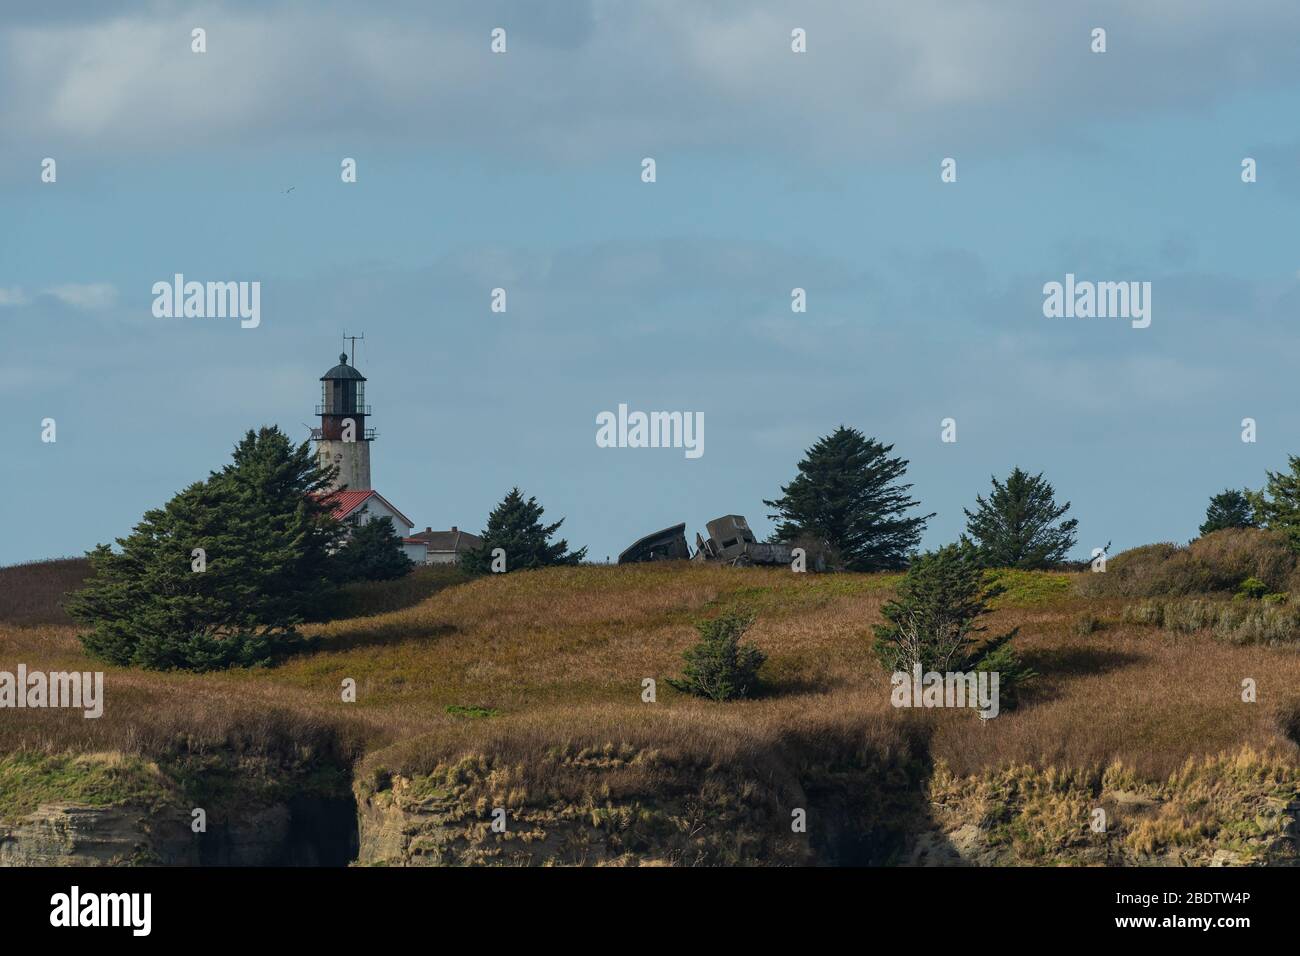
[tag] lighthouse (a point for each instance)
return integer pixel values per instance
(343, 440)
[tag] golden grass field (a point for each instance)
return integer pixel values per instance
(557, 657)
(525, 690)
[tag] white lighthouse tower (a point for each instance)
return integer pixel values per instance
(343, 440)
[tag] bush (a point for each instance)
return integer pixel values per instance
(719, 667)
(1013, 674)
(1088, 623)
(1237, 622)
(1215, 563)
(1252, 588)
(372, 552)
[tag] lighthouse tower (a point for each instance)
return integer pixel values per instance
(343, 440)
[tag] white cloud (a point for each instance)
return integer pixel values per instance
(95, 295)
(613, 77)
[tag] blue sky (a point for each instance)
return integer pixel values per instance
(775, 170)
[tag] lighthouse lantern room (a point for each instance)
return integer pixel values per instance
(343, 440)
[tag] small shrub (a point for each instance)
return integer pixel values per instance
(460, 710)
(719, 667)
(1190, 615)
(1146, 613)
(1237, 622)
(1088, 623)
(1013, 674)
(1252, 588)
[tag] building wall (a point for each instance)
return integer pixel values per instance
(353, 460)
(417, 552)
(442, 557)
(374, 508)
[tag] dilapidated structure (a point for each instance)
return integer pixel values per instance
(729, 541)
(666, 545)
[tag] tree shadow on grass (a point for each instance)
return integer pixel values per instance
(1057, 666)
(382, 636)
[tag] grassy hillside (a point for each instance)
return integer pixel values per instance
(524, 690)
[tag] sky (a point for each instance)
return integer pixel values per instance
(775, 170)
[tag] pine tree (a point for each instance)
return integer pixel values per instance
(515, 527)
(933, 621)
(373, 552)
(1228, 509)
(719, 667)
(223, 573)
(847, 495)
(1276, 506)
(1017, 526)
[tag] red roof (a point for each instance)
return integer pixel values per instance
(345, 503)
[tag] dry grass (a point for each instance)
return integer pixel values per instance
(1216, 562)
(33, 593)
(560, 656)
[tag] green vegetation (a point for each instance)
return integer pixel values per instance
(29, 779)
(223, 574)
(1229, 509)
(516, 528)
(719, 667)
(932, 622)
(373, 552)
(459, 710)
(1276, 506)
(1236, 622)
(848, 496)
(1019, 525)
(1015, 588)
(1215, 563)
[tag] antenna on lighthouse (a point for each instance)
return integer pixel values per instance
(353, 339)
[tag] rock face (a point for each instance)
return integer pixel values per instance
(402, 827)
(313, 832)
(66, 835)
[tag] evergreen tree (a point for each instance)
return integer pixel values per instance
(373, 552)
(1276, 506)
(933, 621)
(847, 495)
(223, 573)
(719, 667)
(515, 526)
(1017, 527)
(1228, 509)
